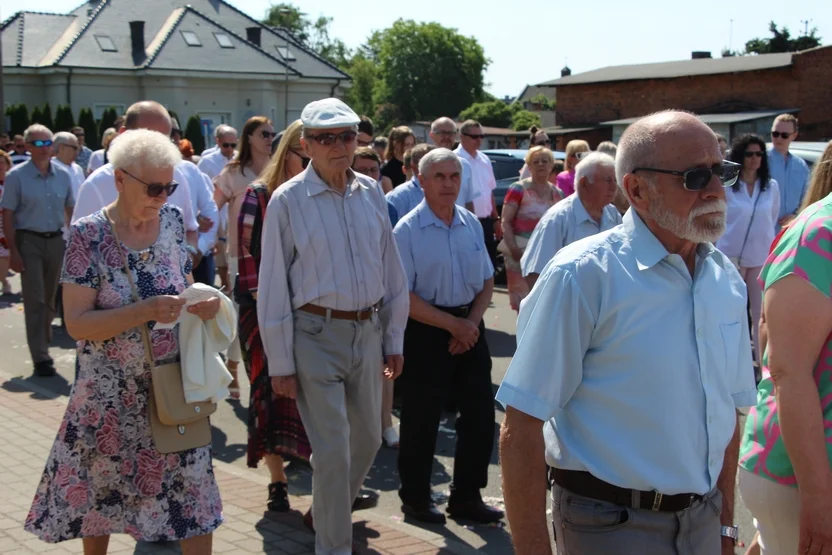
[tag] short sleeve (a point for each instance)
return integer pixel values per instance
(79, 266)
(514, 195)
(803, 250)
(11, 192)
(401, 233)
(175, 214)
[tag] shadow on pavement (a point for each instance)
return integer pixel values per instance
(500, 343)
(45, 388)
(221, 450)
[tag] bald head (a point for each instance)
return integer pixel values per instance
(147, 114)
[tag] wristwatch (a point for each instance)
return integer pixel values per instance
(191, 249)
(730, 532)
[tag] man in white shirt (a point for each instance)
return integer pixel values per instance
(66, 147)
(576, 217)
(99, 189)
(443, 132)
(202, 199)
(482, 175)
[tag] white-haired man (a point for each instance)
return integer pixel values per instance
(333, 300)
(99, 190)
(576, 217)
(444, 134)
(633, 349)
(66, 148)
(37, 202)
(450, 277)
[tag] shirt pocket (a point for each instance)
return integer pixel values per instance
(471, 260)
(731, 334)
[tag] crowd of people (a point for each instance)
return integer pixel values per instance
(641, 272)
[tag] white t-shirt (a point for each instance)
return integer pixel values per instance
(75, 172)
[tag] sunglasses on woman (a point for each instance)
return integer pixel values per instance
(268, 134)
(155, 189)
(304, 161)
(752, 153)
(697, 179)
(329, 139)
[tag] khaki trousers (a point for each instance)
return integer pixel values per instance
(339, 369)
(42, 259)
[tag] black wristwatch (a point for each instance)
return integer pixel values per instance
(730, 532)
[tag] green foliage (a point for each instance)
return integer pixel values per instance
(524, 119)
(46, 113)
(427, 69)
(193, 132)
(543, 101)
(495, 113)
(37, 116)
(314, 34)
(18, 119)
(780, 41)
(64, 121)
(87, 121)
(108, 120)
(360, 96)
(289, 17)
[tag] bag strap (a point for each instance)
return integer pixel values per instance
(747, 231)
(148, 349)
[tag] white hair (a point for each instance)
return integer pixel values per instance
(444, 120)
(437, 156)
(36, 128)
(223, 129)
(589, 164)
(64, 138)
(607, 147)
(142, 148)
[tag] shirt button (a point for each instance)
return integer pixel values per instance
(699, 332)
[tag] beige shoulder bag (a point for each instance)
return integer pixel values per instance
(175, 425)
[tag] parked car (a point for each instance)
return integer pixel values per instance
(507, 164)
(809, 151)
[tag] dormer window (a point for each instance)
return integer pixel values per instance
(105, 43)
(191, 39)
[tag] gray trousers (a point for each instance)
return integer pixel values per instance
(585, 526)
(339, 368)
(42, 259)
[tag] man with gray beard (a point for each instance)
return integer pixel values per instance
(633, 358)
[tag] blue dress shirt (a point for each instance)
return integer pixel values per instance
(792, 175)
(409, 194)
(39, 202)
(637, 367)
(393, 213)
(445, 266)
(562, 224)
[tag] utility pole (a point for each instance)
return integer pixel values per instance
(731, 37)
(806, 23)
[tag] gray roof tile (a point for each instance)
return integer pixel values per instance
(28, 36)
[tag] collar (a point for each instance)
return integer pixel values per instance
(464, 154)
(315, 185)
(427, 217)
(579, 213)
(36, 171)
(773, 151)
(415, 183)
(647, 248)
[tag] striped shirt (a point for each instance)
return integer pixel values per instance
(332, 250)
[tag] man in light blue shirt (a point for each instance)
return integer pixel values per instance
(633, 348)
(443, 133)
(576, 217)
(450, 278)
(789, 171)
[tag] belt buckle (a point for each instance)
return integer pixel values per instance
(657, 502)
(464, 311)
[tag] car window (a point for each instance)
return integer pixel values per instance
(506, 166)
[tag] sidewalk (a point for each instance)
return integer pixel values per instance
(29, 419)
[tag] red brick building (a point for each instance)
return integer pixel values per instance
(594, 103)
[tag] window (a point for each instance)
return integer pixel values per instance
(224, 40)
(190, 38)
(105, 43)
(285, 53)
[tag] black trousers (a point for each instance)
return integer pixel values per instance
(490, 239)
(430, 375)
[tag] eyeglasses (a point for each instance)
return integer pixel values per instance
(303, 159)
(751, 154)
(364, 143)
(542, 143)
(73, 147)
(155, 189)
(475, 137)
(268, 134)
(329, 139)
(38, 143)
(582, 155)
(780, 135)
(229, 145)
(447, 133)
(79, 135)
(697, 179)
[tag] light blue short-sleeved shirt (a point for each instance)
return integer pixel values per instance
(636, 367)
(792, 175)
(39, 202)
(445, 266)
(409, 194)
(562, 224)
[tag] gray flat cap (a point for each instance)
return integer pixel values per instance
(329, 113)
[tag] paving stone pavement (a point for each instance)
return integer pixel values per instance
(29, 420)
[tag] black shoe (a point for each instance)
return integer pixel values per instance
(474, 510)
(44, 369)
(278, 497)
(364, 502)
(424, 513)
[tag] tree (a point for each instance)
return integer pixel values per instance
(193, 132)
(37, 116)
(63, 118)
(360, 95)
(19, 119)
(524, 119)
(87, 122)
(47, 116)
(314, 34)
(495, 113)
(426, 69)
(543, 101)
(108, 120)
(780, 41)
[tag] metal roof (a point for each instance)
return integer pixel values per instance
(682, 68)
(720, 118)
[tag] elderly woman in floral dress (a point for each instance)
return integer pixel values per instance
(104, 475)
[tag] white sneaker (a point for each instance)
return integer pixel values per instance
(391, 437)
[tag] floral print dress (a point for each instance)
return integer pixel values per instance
(104, 475)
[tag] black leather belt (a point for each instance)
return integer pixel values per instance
(587, 485)
(458, 311)
(42, 234)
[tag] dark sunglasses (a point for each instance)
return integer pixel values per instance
(303, 159)
(73, 147)
(39, 143)
(780, 135)
(329, 139)
(475, 137)
(542, 143)
(79, 135)
(751, 154)
(697, 179)
(446, 133)
(155, 189)
(229, 145)
(268, 134)
(364, 143)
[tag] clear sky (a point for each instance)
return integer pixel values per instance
(529, 41)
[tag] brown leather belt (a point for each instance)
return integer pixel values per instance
(357, 315)
(587, 485)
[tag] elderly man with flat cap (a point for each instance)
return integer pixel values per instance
(333, 301)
